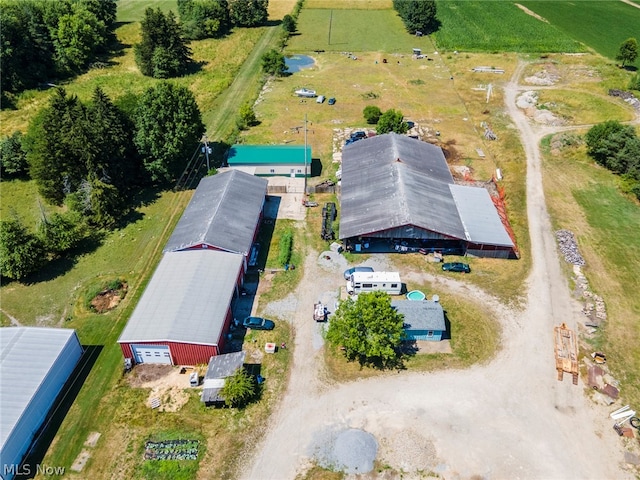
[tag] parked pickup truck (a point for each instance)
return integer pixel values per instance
(319, 312)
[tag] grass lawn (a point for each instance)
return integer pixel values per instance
(481, 26)
(475, 338)
(133, 10)
(339, 30)
(610, 23)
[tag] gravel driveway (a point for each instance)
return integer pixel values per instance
(509, 419)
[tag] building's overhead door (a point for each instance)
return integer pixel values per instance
(152, 354)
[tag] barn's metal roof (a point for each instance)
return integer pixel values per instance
(268, 155)
(479, 216)
(391, 181)
(223, 212)
(27, 355)
(421, 315)
(186, 299)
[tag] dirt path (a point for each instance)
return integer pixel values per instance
(508, 419)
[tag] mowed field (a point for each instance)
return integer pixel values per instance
(609, 23)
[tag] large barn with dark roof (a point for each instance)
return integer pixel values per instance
(223, 214)
(397, 191)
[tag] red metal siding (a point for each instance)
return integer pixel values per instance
(202, 246)
(181, 353)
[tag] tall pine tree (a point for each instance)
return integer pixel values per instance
(162, 53)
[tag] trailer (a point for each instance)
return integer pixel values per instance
(360, 282)
(566, 352)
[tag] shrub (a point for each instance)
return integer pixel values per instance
(286, 242)
(372, 114)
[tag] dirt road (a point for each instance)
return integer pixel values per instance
(510, 419)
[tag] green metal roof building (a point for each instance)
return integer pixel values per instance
(271, 160)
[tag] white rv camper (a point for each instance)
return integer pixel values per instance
(373, 281)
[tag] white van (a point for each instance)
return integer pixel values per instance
(374, 281)
(320, 99)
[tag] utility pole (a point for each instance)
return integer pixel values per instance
(305, 153)
(206, 150)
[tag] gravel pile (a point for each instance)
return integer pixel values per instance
(569, 247)
(350, 451)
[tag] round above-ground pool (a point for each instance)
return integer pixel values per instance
(416, 295)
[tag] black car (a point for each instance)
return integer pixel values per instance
(359, 135)
(258, 323)
(456, 267)
(331, 101)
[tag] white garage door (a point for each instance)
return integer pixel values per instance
(152, 354)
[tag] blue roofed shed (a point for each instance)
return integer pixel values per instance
(271, 160)
(423, 320)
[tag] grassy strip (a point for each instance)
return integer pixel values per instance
(480, 26)
(610, 23)
(585, 198)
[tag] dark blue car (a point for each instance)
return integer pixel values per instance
(258, 323)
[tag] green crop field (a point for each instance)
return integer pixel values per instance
(340, 30)
(496, 27)
(610, 23)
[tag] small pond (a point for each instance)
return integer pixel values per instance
(298, 62)
(416, 295)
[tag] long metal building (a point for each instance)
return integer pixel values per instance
(185, 311)
(35, 364)
(397, 191)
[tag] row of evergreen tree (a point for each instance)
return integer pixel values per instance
(92, 158)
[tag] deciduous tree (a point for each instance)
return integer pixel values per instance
(168, 127)
(288, 24)
(417, 15)
(273, 63)
(368, 329)
(21, 252)
(248, 13)
(204, 18)
(628, 52)
(372, 114)
(392, 121)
